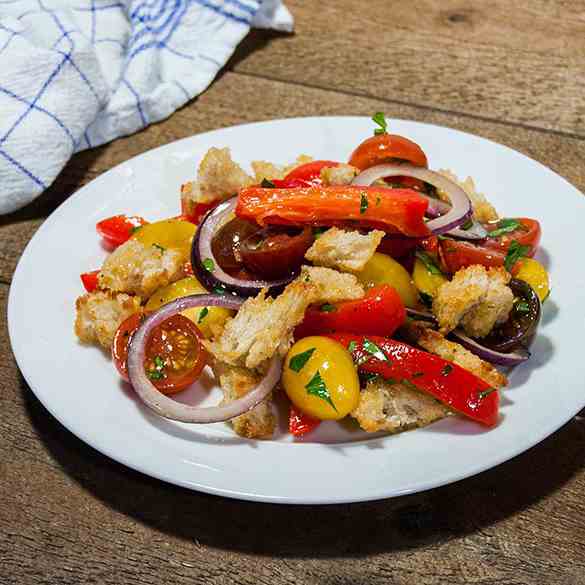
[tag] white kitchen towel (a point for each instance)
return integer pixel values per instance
(78, 73)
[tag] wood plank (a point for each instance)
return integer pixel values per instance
(230, 101)
(70, 515)
(515, 61)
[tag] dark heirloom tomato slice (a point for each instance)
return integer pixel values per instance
(175, 355)
(276, 252)
(226, 243)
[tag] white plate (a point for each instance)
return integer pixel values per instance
(79, 386)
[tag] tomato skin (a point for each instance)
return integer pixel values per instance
(194, 212)
(161, 344)
(118, 229)
(299, 423)
(90, 280)
(527, 235)
(456, 387)
(455, 254)
(384, 148)
(310, 172)
(379, 312)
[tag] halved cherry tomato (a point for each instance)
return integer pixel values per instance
(300, 423)
(118, 229)
(379, 312)
(528, 234)
(175, 355)
(90, 280)
(340, 204)
(446, 381)
(194, 212)
(310, 172)
(384, 148)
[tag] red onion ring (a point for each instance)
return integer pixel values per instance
(459, 211)
(217, 277)
(169, 408)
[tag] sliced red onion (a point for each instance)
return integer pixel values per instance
(485, 353)
(169, 408)
(457, 214)
(420, 315)
(212, 276)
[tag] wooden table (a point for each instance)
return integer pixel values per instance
(512, 71)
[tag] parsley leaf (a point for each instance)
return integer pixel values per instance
(135, 229)
(317, 231)
(297, 362)
(267, 184)
(328, 308)
(208, 264)
(219, 289)
(157, 373)
(418, 374)
(505, 226)
(515, 252)
(447, 370)
(159, 247)
(426, 300)
(429, 262)
(363, 203)
(317, 387)
(369, 377)
(487, 392)
(202, 314)
(522, 307)
(374, 350)
(352, 346)
(380, 120)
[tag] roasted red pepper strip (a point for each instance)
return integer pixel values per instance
(446, 381)
(379, 312)
(118, 229)
(392, 210)
(300, 423)
(90, 280)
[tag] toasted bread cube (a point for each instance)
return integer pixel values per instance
(340, 175)
(332, 286)
(269, 171)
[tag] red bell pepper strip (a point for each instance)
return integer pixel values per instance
(379, 312)
(90, 280)
(392, 210)
(118, 229)
(310, 172)
(300, 423)
(452, 385)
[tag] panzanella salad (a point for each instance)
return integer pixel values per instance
(375, 289)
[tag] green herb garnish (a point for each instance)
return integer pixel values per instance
(135, 229)
(418, 374)
(208, 264)
(369, 377)
(467, 225)
(380, 119)
(202, 314)
(363, 203)
(267, 184)
(505, 226)
(447, 370)
(515, 252)
(352, 346)
(317, 387)
(327, 308)
(318, 231)
(487, 392)
(426, 299)
(522, 307)
(375, 351)
(429, 262)
(297, 362)
(159, 247)
(157, 373)
(219, 289)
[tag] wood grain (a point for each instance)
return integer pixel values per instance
(515, 61)
(222, 106)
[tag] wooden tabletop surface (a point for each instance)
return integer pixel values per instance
(509, 70)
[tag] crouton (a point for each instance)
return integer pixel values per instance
(138, 269)
(345, 250)
(340, 175)
(483, 210)
(476, 298)
(269, 171)
(433, 342)
(235, 382)
(396, 407)
(99, 314)
(218, 177)
(332, 286)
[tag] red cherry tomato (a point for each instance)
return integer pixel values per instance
(528, 234)
(379, 312)
(194, 212)
(90, 280)
(118, 229)
(175, 355)
(384, 148)
(309, 172)
(300, 423)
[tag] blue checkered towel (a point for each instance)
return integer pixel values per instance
(78, 73)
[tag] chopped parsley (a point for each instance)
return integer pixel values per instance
(515, 252)
(505, 226)
(267, 184)
(418, 374)
(297, 362)
(317, 231)
(327, 308)
(426, 299)
(219, 289)
(202, 314)
(159, 247)
(522, 307)
(429, 262)
(208, 264)
(352, 346)
(467, 225)
(134, 229)
(363, 203)
(380, 119)
(447, 370)
(158, 372)
(317, 387)
(485, 393)
(374, 350)
(367, 377)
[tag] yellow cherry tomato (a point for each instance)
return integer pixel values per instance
(169, 234)
(426, 281)
(320, 378)
(382, 269)
(534, 273)
(208, 319)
